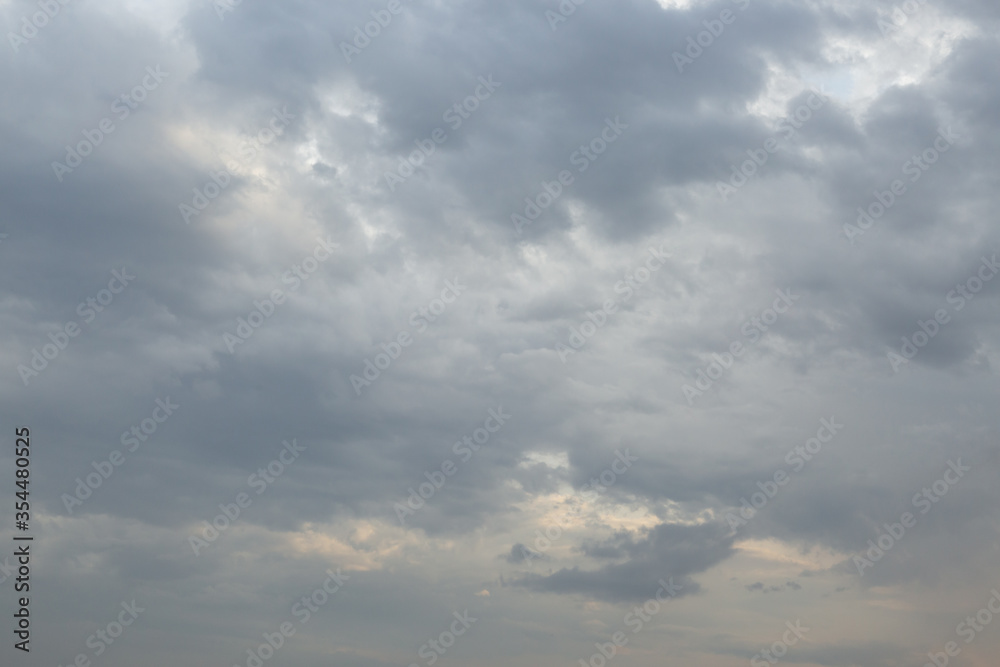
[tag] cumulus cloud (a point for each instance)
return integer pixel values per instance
(362, 227)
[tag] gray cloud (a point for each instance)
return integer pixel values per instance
(666, 551)
(324, 177)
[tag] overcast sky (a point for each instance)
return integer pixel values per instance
(530, 329)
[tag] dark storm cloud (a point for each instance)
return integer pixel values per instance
(520, 553)
(666, 551)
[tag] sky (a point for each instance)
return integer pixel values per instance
(463, 332)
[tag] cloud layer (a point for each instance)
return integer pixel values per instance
(552, 310)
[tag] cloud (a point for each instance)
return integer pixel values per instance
(759, 587)
(667, 550)
(520, 553)
(323, 176)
